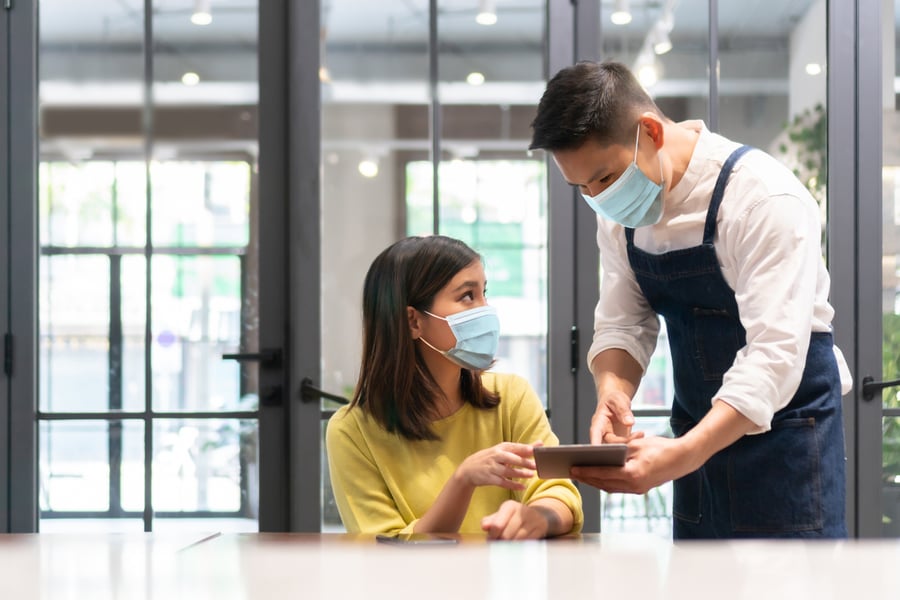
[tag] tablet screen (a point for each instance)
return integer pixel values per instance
(555, 461)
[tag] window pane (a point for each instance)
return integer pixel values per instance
(200, 203)
(205, 465)
(891, 468)
(890, 273)
(74, 322)
(196, 318)
(88, 466)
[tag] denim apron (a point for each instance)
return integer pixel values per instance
(787, 482)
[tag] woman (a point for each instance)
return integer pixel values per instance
(431, 443)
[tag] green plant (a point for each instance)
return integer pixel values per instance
(805, 149)
(890, 369)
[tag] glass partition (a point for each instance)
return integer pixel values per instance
(890, 274)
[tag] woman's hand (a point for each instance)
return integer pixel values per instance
(517, 521)
(504, 465)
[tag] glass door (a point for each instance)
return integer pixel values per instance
(149, 404)
(414, 93)
(884, 390)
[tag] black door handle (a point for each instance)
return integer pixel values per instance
(310, 393)
(870, 386)
(270, 357)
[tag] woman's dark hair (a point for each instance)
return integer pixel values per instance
(595, 100)
(394, 385)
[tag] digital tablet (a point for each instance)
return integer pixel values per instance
(555, 461)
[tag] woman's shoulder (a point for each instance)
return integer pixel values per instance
(510, 386)
(347, 420)
(498, 381)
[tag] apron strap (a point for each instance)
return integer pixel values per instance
(709, 231)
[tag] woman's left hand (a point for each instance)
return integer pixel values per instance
(516, 521)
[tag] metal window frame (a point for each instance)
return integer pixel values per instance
(303, 255)
(5, 122)
(867, 235)
(20, 142)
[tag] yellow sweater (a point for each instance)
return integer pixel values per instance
(384, 483)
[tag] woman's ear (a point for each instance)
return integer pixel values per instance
(412, 316)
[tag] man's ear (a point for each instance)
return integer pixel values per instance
(652, 125)
(415, 327)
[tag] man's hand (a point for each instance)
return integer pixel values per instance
(654, 460)
(651, 461)
(616, 377)
(613, 419)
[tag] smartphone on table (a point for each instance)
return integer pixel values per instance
(425, 539)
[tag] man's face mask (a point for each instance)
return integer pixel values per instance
(477, 332)
(633, 200)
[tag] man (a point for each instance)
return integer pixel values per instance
(723, 242)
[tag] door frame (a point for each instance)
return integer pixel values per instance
(18, 260)
(867, 229)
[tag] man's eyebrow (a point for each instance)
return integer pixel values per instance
(593, 177)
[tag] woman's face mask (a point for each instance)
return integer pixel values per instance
(477, 332)
(633, 200)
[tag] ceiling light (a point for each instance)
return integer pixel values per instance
(647, 68)
(190, 78)
(813, 68)
(324, 74)
(648, 75)
(621, 15)
(474, 78)
(660, 38)
(202, 14)
(368, 167)
(487, 13)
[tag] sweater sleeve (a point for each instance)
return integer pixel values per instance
(360, 492)
(529, 424)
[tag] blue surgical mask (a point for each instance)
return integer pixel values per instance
(477, 332)
(633, 200)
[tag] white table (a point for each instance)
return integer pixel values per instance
(301, 566)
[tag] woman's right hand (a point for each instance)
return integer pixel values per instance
(502, 465)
